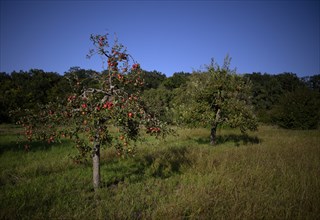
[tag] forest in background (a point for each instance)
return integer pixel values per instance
(283, 99)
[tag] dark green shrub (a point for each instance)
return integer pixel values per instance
(298, 110)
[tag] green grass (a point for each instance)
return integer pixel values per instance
(270, 174)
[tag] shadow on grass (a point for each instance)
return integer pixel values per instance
(160, 164)
(237, 139)
(32, 147)
(166, 163)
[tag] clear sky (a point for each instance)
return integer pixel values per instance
(167, 36)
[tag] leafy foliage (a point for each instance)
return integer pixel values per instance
(176, 80)
(98, 103)
(312, 82)
(265, 91)
(159, 102)
(271, 95)
(218, 96)
(299, 109)
(26, 90)
(152, 79)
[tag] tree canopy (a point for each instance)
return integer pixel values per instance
(217, 97)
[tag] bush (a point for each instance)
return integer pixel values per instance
(298, 110)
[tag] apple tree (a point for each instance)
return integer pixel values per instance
(98, 105)
(216, 97)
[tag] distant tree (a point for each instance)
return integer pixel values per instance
(5, 97)
(218, 97)
(176, 80)
(59, 90)
(39, 84)
(25, 90)
(265, 91)
(312, 82)
(31, 88)
(86, 77)
(158, 102)
(299, 109)
(289, 82)
(152, 79)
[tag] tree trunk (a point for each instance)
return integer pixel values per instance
(96, 164)
(214, 128)
(213, 134)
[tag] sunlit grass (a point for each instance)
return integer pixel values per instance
(273, 173)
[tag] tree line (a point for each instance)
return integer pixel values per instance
(284, 99)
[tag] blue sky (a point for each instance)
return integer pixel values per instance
(167, 36)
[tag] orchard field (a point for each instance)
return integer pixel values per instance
(188, 146)
(269, 174)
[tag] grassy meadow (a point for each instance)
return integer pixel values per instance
(270, 174)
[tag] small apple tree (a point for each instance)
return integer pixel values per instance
(110, 101)
(216, 97)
